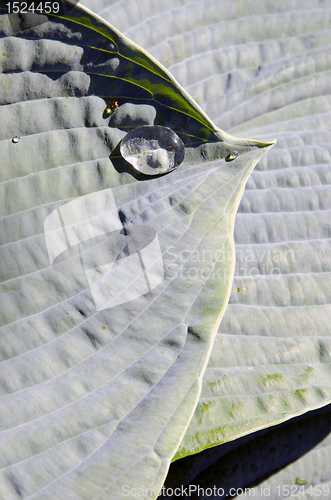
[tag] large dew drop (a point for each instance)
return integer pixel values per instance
(152, 149)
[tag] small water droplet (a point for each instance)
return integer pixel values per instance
(153, 149)
(110, 108)
(232, 156)
(15, 139)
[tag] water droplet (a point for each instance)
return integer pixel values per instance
(15, 139)
(152, 149)
(110, 108)
(232, 156)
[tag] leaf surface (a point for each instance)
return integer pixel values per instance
(260, 70)
(100, 376)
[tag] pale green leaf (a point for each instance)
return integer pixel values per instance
(260, 69)
(97, 398)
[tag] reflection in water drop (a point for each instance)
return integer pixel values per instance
(232, 156)
(110, 108)
(15, 139)
(152, 149)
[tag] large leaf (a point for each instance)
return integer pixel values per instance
(97, 398)
(260, 69)
(271, 357)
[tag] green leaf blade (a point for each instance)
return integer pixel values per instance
(90, 394)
